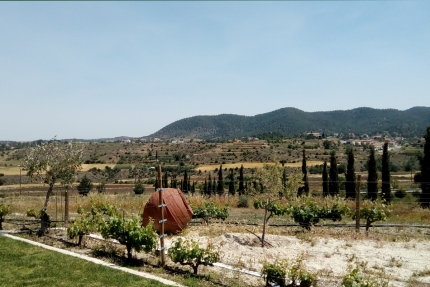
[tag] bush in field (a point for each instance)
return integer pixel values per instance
(85, 186)
(373, 211)
(190, 253)
(210, 210)
(129, 232)
(138, 187)
(82, 225)
(296, 271)
(357, 278)
(101, 188)
(306, 212)
(274, 273)
(4, 210)
(243, 201)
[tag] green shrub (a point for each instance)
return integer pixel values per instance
(400, 193)
(85, 186)
(243, 201)
(138, 187)
(274, 273)
(190, 253)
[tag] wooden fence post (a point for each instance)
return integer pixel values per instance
(161, 206)
(357, 205)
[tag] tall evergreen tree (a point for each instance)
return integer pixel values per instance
(350, 175)
(214, 186)
(231, 189)
(325, 180)
(425, 172)
(241, 181)
(385, 177)
(205, 188)
(185, 182)
(175, 182)
(220, 187)
(305, 188)
(372, 176)
(165, 180)
(209, 184)
(284, 182)
(333, 185)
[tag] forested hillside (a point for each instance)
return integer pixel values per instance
(292, 121)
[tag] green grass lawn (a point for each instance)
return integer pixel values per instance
(23, 264)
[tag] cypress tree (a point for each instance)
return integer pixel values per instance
(385, 177)
(425, 172)
(333, 185)
(241, 181)
(231, 183)
(209, 184)
(205, 188)
(185, 182)
(325, 179)
(175, 182)
(165, 180)
(305, 188)
(284, 182)
(220, 187)
(372, 176)
(350, 175)
(214, 186)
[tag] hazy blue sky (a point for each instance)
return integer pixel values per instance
(106, 69)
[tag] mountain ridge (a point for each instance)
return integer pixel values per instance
(292, 121)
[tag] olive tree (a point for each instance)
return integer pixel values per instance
(51, 163)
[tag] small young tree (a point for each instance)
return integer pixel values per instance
(85, 186)
(325, 180)
(51, 163)
(425, 172)
(350, 175)
(129, 232)
(138, 187)
(372, 176)
(4, 210)
(190, 253)
(270, 180)
(333, 175)
(373, 211)
(386, 177)
(82, 225)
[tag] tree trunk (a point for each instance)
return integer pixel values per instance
(264, 223)
(1, 220)
(195, 267)
(48, 194)
(80, 239)
(368, 223)
(129, 255)
(66, 208)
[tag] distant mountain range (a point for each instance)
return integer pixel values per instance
(292, 121)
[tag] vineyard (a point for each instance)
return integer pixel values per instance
(257, 224)
(316, 232)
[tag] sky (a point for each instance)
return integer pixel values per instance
(91, 70)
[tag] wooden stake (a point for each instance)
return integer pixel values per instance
(357, 205)
(66, 207)
(161, 206)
